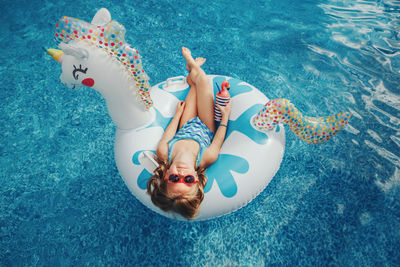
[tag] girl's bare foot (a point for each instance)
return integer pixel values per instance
(188, 56)
(199, 61)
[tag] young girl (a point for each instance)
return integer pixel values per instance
(183, 156)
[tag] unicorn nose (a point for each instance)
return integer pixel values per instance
(56, 54)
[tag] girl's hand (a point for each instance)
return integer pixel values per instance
(180, 107)
(225, 110)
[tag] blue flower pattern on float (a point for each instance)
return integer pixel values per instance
(221, 170)
(160, 120)
(144, 175)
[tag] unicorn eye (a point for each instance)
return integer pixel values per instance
(74, 73)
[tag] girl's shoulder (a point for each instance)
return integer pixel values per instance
(209, 157)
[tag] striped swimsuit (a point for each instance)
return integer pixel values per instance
(196, 130)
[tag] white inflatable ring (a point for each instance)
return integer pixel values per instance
(247, 162)
(96, 55)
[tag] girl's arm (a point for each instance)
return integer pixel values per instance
(169, 133)
(211, 153)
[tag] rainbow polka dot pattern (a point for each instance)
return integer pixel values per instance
(309, 129)
(110, 38)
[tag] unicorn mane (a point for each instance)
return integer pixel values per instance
(110, 37)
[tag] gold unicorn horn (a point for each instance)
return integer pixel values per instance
(55, 53)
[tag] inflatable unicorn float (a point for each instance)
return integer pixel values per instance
(97, 55)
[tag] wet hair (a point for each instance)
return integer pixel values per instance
(187, 205)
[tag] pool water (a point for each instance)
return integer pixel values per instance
(62, 201)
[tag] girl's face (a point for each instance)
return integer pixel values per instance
(187, 180)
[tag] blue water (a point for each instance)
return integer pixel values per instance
(62, 201)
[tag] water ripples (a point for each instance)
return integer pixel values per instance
(367, 55)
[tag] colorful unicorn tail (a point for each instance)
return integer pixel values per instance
(311, 130)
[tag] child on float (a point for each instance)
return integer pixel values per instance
(184, 155)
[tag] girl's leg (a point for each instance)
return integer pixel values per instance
(205, 98)
(190, 110)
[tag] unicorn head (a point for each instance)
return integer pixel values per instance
(96, 55)
(74, 70)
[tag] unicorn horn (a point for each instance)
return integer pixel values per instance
(312, 130)
(55, 53)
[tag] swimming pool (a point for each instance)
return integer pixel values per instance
(62, 201)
